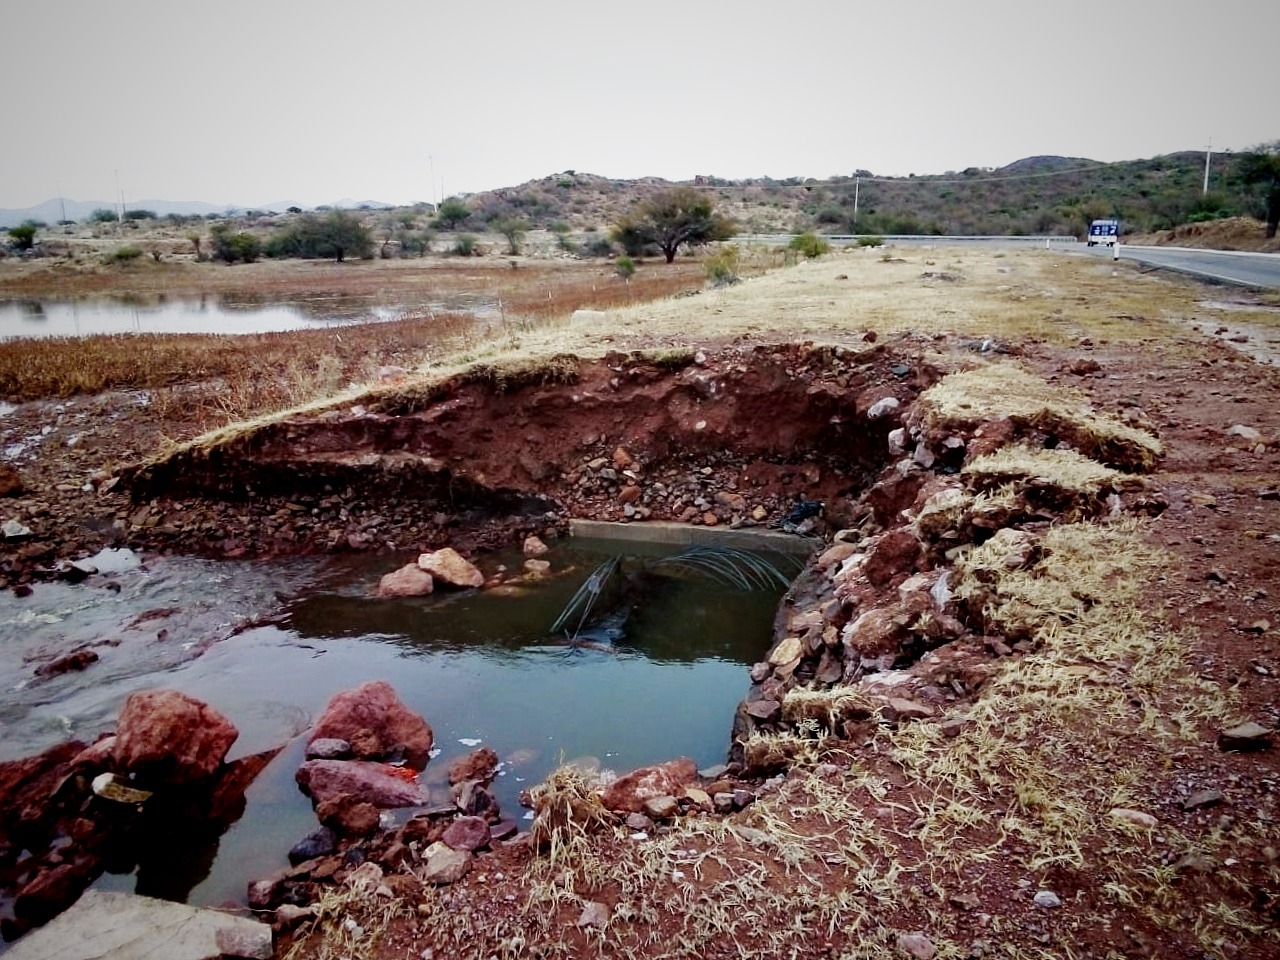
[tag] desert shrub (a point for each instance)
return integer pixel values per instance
(599, 246)
(335, 234)
(140, 215)
(103, 215)
(809, 245)
(625, 267)
(722, 268)
(451, 213)
(23, 236)
(415, 242)
(231, 247)
(632, 235)
(514, 229)
(124, 254)
(871, 241)
(465, 246)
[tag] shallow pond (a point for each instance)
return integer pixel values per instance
(209, 314)
(660, 677)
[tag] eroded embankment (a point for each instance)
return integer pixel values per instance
(895, 621)
(732, 438)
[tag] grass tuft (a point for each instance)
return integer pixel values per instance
(1004, 391)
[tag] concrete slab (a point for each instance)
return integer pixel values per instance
(676, 534)
(124, 926)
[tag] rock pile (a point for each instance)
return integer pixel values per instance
(873, 631)
(363, 756)
(69, 811)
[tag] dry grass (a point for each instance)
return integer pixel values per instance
(857, 848)
(1004, 391)
(1064, 470)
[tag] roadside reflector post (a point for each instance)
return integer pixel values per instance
(1115, 250)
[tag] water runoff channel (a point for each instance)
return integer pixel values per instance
(647, 661)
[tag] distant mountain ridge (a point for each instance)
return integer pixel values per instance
(51, 211)
(1043, 194)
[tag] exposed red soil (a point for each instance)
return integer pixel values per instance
(797, 425)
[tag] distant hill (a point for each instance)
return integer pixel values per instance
(1034, 195)
(51, 211)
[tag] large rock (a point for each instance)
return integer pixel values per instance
(11, 484)
(479, 765)
(449, 566)
(444, 864)
(170, 739)
(375, 721)
(629, 792)
(894, 554)
(358, 781)
(409, 581)
(467, 833)
(124, 926)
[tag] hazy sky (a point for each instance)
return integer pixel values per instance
(259, 102)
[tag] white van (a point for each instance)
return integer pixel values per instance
(1105, 232)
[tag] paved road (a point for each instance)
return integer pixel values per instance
(1261, 270)
(1244, 269)
(782, 239)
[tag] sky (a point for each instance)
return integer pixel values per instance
(255, 103)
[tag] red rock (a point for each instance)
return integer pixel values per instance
(874, 633)
(534, 546)
(629, 792)
(170, 739)
(892, 495)
(52, 890)
(27, 788)
(97, 757)
(358, 781)
(629, 494)
(10, 481)
(76, 660)
(991, 436)
(479, 765)
(449, 566)
(348, 817)
(467, 833)
(373, 708)
(408, 581)
(894, 554)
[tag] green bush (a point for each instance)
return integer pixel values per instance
(23, 236)
(103, 215)
(465, 246)
(140, 215)
(514, 229)
(625, 267)
(809, 245)
(451, 213)
(337, 234)
(124, 254)
(599, 247)
(232, 247)
(871, 241)
(722, 268)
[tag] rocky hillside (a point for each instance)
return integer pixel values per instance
(1043, 194)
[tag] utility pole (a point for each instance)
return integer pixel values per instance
(857, 183)
(1207, 151)
(432, 161)
(119, 195)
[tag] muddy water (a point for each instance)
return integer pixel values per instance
(661, 677)
(209, 314)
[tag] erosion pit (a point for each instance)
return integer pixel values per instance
(733, 438)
